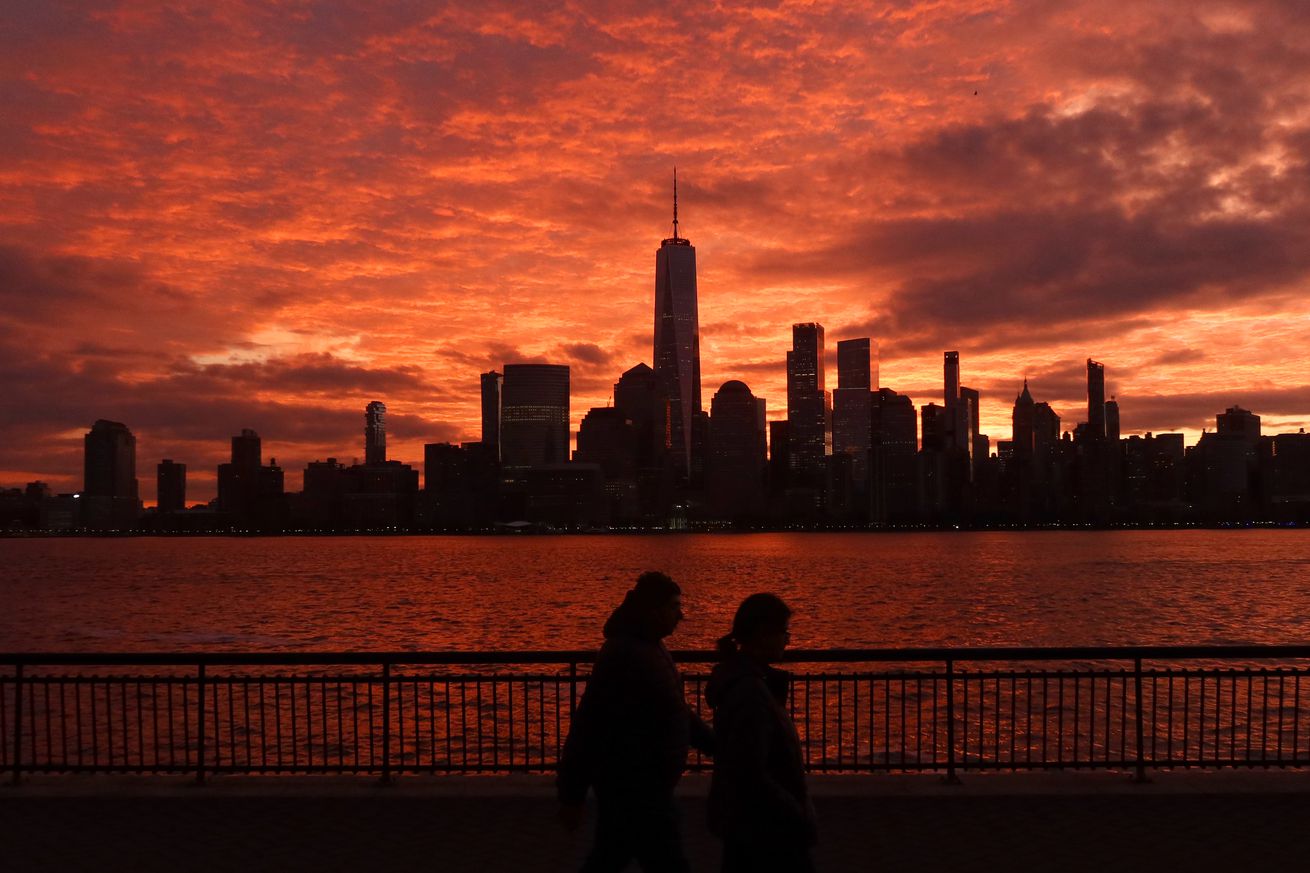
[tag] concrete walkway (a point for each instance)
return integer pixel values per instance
(1187, 821)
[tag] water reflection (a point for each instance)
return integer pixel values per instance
(850, 590)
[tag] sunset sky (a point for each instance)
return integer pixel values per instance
(218, 215)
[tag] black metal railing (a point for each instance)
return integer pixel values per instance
(385, 713)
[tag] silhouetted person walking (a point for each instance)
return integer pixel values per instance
(758, 802)
(630, 736)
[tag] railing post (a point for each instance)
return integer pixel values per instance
(573, 689)
(200, 725)
(386, 722)
(951, 777)
(18, 721)
(1141, 750)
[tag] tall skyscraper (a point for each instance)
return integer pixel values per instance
(247, 453)
(606, 437)
(809, 406)
(1095, 400)
(955, 421)
(893, 476)
(1046, 435)
(1035, 434)
(642, 400)
(1112, 420)
(170, 481)
(854, 364)
(851, 421)
(735, 464)
(491, 385)
(951, 379)
(934, 427)
(109, 495)
(248, 491)
(534, 415)
(966, 423)
(1226, 463)
(677, 335)
(1022, 425)
(375, 433)
(109, 461)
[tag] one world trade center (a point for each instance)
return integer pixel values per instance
(677, 336)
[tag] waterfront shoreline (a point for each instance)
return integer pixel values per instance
(653, 532)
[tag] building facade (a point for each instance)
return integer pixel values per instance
(375, 433)
(110, 499)
(851, 407)
(736, 458)
(809, 407)
(170, 486)
(534, 415)
(491, 388)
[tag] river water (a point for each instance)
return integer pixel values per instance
(541, 592)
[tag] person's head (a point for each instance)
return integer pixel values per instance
(658, 599)
(760, 628)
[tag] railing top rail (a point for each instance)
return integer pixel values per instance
(808, 656)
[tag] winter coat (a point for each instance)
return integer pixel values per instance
(632, 729)
(758, 793)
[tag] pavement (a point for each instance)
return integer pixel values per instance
(1185, 821)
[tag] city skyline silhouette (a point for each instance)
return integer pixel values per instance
(237, 261)
(678, 363)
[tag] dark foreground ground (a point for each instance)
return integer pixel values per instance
(1228, 822)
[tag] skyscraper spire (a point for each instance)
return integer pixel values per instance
(677, 337)
(675, 202)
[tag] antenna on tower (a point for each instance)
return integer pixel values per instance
(675, 202)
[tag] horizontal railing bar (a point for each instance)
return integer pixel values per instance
(549, 766)
(924, 676)
(799, 656)
(303, 679)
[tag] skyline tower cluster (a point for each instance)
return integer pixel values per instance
(856, 455)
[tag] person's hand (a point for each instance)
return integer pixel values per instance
(571, 815)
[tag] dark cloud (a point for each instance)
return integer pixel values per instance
(587, 353)
(774, 366)
(1177, 357)
(1194, 411)
(37, 290)
(1080, 218)
(308, 374)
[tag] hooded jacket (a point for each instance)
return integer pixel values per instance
(758, 791)
(632, 729)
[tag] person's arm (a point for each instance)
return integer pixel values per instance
(575, 766)
(578, 756)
